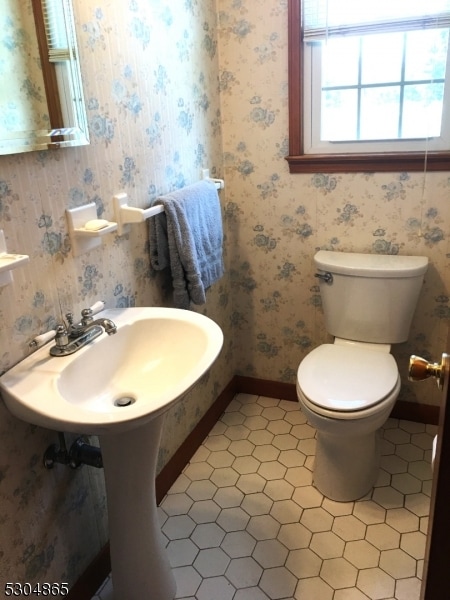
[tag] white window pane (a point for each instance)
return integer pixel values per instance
(339, 115)
(382, 57)
(422, 111)
(340, 61)
(426, 54)
(380, 113)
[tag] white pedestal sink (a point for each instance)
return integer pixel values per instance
(140, 567)
(119, 388)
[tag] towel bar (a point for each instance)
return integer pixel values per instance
(126, 215)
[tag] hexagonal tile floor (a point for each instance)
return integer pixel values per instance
(243, 521)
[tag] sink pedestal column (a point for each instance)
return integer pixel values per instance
(139, 563)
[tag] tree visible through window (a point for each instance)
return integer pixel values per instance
(369, 85)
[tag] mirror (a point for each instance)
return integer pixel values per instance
(41, 95)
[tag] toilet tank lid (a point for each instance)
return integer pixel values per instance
(371, 265)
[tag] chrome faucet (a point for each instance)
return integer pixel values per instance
(108, 325)
(86, 323)
(70, 338)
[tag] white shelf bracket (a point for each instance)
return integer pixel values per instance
(126, 215)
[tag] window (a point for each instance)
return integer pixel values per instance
(369, 85)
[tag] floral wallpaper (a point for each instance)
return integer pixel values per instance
(171, 90)
(277, 221)
(151, 76)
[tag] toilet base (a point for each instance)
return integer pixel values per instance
(346, 468)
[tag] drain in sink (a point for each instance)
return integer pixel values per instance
(124, 401)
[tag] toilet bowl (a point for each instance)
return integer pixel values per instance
(347, 389)
(347, 393)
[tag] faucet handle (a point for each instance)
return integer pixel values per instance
(88, 313)
(97, 307)
(86, 316)
(42, 339)
(69, 318)
(61, 337)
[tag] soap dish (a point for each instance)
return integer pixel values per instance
(12, 261)
(9, 261)
(84, 239)
(96, 232)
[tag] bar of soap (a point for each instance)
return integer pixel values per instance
(96, 224)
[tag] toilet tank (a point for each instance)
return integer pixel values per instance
(372, 297)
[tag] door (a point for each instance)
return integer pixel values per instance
(435, 582)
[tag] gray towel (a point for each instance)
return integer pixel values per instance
(188, 237)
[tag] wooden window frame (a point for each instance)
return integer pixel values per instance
(299, 162)
(48, 71)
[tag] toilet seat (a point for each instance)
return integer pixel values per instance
(346, 379)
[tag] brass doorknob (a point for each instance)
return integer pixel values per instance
(420, 368)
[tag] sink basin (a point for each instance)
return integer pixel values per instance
(116, 382)
(119, 387)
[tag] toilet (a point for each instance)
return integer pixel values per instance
(348, 388)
